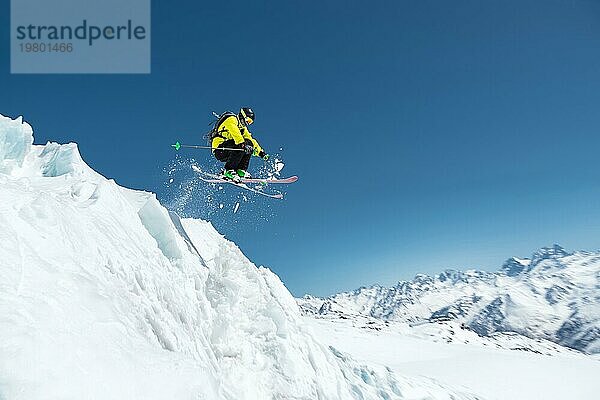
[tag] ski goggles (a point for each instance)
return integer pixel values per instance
(248, 120)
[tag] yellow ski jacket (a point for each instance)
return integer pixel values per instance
(232, 129)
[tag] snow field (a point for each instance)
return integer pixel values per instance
(496, 374)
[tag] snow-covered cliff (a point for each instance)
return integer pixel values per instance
(104, 294)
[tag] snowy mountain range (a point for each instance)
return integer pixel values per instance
(105, 294)
(552, 295)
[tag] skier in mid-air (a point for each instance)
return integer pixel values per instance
(233, 144)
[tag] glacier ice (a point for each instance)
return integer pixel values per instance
(16, 138)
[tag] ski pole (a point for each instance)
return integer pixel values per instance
(178, 145)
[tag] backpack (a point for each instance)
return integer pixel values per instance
(214, 132)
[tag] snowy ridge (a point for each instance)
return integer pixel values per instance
(105, 295)
(553, 295)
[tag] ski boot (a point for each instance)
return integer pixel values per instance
(243, 174)
(230, 175)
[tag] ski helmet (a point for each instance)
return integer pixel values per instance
(247, 115)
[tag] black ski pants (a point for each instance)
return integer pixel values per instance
(233, 159)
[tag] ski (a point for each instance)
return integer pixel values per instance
(211, 178)
(218, 179)
(244, 186)
(267, 181)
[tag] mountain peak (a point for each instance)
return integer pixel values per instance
(514, 266)
(546, 253)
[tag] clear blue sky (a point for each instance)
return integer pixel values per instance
(426, 134)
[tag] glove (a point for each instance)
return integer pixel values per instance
(248, 149)
(263, 155)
